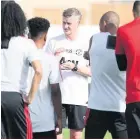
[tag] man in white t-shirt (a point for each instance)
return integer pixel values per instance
(68, 49)
(17, 52)
(107, 91)
(47, 101)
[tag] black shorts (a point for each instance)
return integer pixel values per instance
(45, 135)
(75, 115)
(133, 120)
(15, 119)
(99, 122)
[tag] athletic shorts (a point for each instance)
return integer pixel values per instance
(15, 119)
(99, 122)
(75, 115)
(45, 135)
(132, 115)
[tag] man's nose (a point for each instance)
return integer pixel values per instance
(66, 26)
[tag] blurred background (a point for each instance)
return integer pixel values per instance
(92, 10)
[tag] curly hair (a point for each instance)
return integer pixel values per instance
(13, 22)
(37, 26)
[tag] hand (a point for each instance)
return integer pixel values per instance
(86, 116)
(58, 127)
(67, 66)
(86, 55)
(27, 99)
(58, 51)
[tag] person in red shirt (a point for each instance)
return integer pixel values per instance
(128, 58)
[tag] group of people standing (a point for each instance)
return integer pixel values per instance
(40, 89)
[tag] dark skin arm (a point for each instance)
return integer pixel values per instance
(56, 98)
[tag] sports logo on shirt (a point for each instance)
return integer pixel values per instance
(79, 52)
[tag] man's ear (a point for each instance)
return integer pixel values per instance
(134, 14)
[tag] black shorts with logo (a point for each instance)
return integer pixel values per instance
(75, 115)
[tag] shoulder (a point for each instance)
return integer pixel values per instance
(125, 27)
(100, 36)
(25, 43)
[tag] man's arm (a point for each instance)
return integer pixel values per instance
(85, 70)
(86, 54)
(34, 58)
(120, 53)
(54, 79)
(121, 62)
(36, 80)
(56, 99)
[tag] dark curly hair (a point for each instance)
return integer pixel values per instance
(13, 22)
(37, 26)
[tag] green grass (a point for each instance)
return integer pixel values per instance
(66, 134)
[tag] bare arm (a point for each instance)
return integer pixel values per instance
(56, 98)
(54, 79)
(85, 71)
(86, 54)
(36, 80)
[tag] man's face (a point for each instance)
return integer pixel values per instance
(70, 25)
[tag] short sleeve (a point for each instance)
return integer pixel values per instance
(55, 76)
(32, 53)
(50, 47)
(119, 49)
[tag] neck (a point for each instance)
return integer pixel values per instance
(38, 45)
(113, 31)
(73, 36)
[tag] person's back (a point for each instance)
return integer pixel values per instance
(131, 42)
(108, 83)
(15, 60)
(47, 104)
(107, 89)
(41, 110)
(128, 59)
(17, 53)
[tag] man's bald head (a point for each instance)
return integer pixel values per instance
(136, 9)
(108, 21)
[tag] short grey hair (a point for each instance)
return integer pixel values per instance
(72, 12)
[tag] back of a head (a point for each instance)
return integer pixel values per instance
(111, 20)
(13, 22)
(136, 9)
(38, 26)
(72, 12)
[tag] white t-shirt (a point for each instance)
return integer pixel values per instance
(41, 109)
(107, 90)
(74, 87)
(15, 63)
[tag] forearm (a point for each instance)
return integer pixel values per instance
(56, 99)
(35, 84)
(84, 70)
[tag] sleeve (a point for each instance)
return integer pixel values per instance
(32, 53)
(55, 74)
(119, 49)
(50, 47)
(120, 53)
